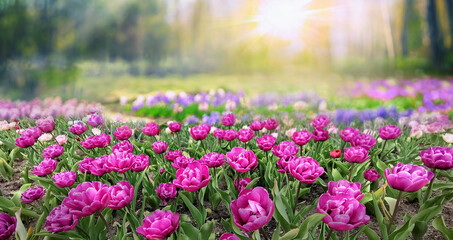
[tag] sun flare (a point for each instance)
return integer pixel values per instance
(281, 18)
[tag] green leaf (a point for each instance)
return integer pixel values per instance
(196, 214)
(336, 175)
(252, 183)
(370, 233)
(280, 213)
(308, 223)
(190, 231)
(276, 235)
(21, 232)
(206, 230)
(292, 234)
(439, 225)
(419, 230)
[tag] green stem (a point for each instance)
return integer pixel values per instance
(203, 147)
(297, 197)
(394, 212)
(382, 150)
(350, 172)
(300, 150)
(179, 141)
(103, 219)
(428, 192)
(267, 156)
(329, 234)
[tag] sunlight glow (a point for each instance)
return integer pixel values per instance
(282, 18)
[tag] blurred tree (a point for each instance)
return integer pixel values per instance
(435, 35)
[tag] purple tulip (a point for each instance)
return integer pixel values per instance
(342, 212)
(285, 148)
(245, 135)
(140, 162)
(241, 184)
(371, 175)
(46, 125)
(349, 133)
(283, 162)
(320, 135)
(52, 151)
(305, 169)
(242, 160)
(31, 194)
(7, 226)
(230, 135)
(257, 125)
(320, 122)
(389, 132)
(166, 191)
(271, 124)
(99, 141)
(159, 225)
(229, 236)
(78, 128)
(345, 187)
(228, 120)
(60, 220)
(151, 129)
(25, 141)
(253, 209)
(160, 147)
(266, 142)
(95, 166)
(87, 198)
(199, 132)
(363, 140)
(193, 177)
(408, 177)
(123, 133)
(162, 170)
(213, 159)
(64, 179)
(182, 162)
(301, 138)
(356, 154)
(175, 127)
(438, 157)
(95, 120)
(33, 132)
(219, 133)
(45, 167)
(84, 165)
(121, 195)
(123, 146)
(172, 155)
(119, 162)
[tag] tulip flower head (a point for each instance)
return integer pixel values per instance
(301, 138)
(64, 179)
(32, 194)
(121, 195)
(60, 219)
(304, 169)
(193, 177)
(159, 225)
(123, 133)
(242, 160)
(166, 191)
(408, 177)
(438, 158)
(389, 132)
(87, 198)
(7, 225)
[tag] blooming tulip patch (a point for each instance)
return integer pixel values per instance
(93, 178)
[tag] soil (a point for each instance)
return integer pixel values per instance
(406, 206)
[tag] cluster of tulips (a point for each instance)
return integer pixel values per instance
(150, 177)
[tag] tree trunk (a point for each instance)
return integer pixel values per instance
(404, 34)
(435, 35)
(449, 4)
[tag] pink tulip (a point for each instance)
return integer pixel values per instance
(301, 138)
(213, 159)
(78, 128)
(166, 191)
(60, 220)
(119, 161)
(363, 140)
(98, 141)
(172, 155)
(31, 194)
(193, 177)
(241, 184)
(123, 146)
(242, 160)
(46, 125)
(230, 135)
(175, 126)
(123, 133)
(140, 162)
(266, 142)
(229, 236)
(371, 175)
(356, 154)
(219, 133)
(257, 125)
(199, 132)
(228, 120)
(271, 124)
(121, 195)
(345, 187)
(61, 139)
(285, 148)
(305, 169)
(182, 162)
(64, 179)
(87, 198)
(151, 129)
(438, 158)
(95, 120)
(245, 135)
(25, 141)
(320, 122)
(7, 225)
(349, 133)
(45, 167)
(320, 135)
(408, 177)
(160, 147)
(52, 151)
(159, 225)
(389, 132)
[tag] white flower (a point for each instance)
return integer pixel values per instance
(123, 100)
(1, 143)
(167, 130)
(45, 137)
(416, 133)
(275, 135)
(448, 137)
(212, 130)
(322, 106)
(290, 132)
(96, 131)
(61, 139)
(203, 107)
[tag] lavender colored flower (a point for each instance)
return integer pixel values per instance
(371, 175)
(151, 129)
(408, 177)
(363, 140)
(52, 151)
(60, 220)
(32, 194)
(160, 147)
(166, 191)
(172, 155)
(159, 225)
(95, 120)
(266, 142)
(285, 148)
(245, 135)
(123, 133)
(193, 177)
(121, 195)
(7, 226)
(349, 133)
(123, 146)
(64, 179)
(228, 119)
(438, 157)
(213, 159)
(87, 198)
(45, 167)
(320, 135)
(320, 122)
(78, 128)
(301, 138)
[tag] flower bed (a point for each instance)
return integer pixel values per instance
(97, 179)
